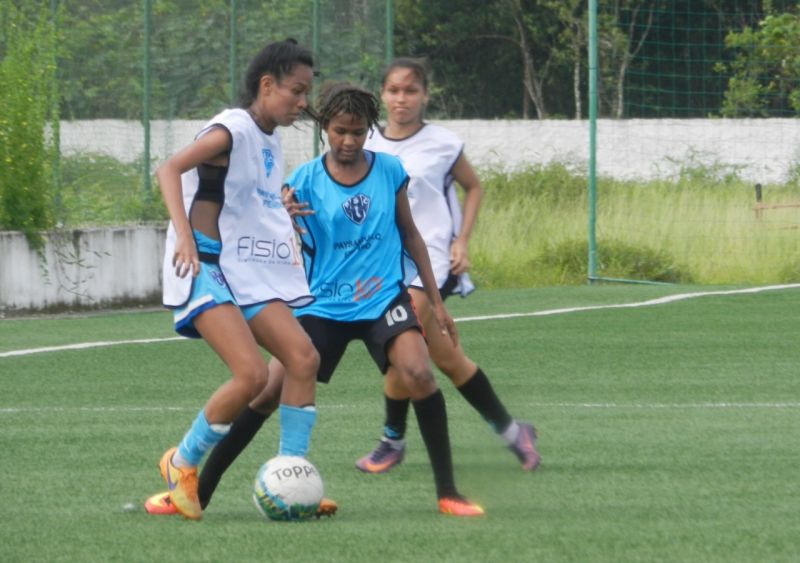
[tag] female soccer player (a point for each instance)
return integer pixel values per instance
(356, 228)
(230, 231)
(433, 158)
(353, 215)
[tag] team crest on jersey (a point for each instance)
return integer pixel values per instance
(269, 161)
(356, 208)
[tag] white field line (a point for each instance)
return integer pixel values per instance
(354, 407)
(649, 303)
(85, 345)
(656, 406)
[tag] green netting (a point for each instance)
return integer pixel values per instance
(697, 106)
(138, 78)
(199, 49)
(704, 59)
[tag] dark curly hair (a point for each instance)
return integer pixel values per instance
(343, 97)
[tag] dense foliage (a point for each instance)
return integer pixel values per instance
(194, 66)
(765, 75)
(27, 79)
(490, 58)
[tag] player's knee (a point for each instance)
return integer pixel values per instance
(311, 362)
(417, 377)
(252, 378)
(304, 363)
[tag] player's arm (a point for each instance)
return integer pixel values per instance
(415, 246)
(211, 148)
(465, 175)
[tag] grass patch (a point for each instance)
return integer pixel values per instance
(568, 264)
(701, 227)
(662, 434)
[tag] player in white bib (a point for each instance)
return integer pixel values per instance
(231, 267)
(434, 159)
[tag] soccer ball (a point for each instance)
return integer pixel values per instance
(288, 488)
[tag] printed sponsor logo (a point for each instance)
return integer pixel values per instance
(269, 161)
(253, 249)
(367, 288)
(361, 243)
(269, 199)
(356, 208)
(294, 472)
(360, 290)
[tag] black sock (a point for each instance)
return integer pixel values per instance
(396, 414)
(432, 419)
(246, 425)
(479, 393)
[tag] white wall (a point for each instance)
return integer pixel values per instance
(82, 269)
(761, 150)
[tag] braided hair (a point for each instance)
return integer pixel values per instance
(343, 97)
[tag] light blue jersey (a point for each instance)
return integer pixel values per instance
(354, 258)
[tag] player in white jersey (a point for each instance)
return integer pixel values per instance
(434, 159)
(231, 269)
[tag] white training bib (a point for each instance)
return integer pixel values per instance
(259, 257)
(429, 156)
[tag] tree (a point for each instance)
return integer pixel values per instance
(534, 72)
(100, 60)
(622, 31)
(191, 47)
(765, 74)
(475, 73)
(574, 36)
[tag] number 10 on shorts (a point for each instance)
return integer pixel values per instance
(396, 315)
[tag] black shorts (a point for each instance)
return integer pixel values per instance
(449, 285)
(331, 338)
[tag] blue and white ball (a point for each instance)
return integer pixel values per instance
(288, 488)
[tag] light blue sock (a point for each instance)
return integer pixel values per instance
(200, 438)
(296, 425)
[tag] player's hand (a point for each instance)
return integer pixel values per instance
(459, 257)
(447, 325)
(185, 259)
(295, 208)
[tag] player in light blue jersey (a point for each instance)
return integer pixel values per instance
(354, 220)
(353, 252)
